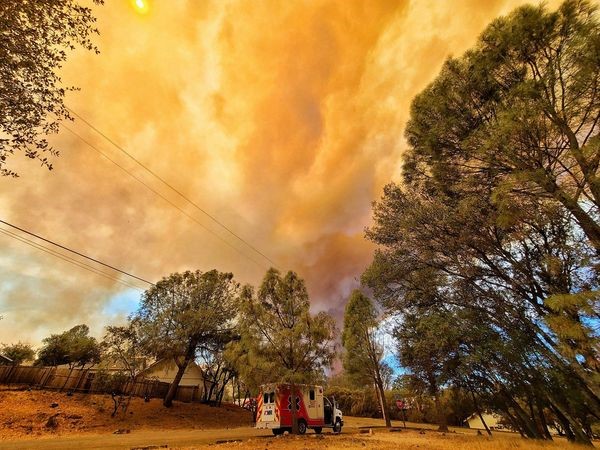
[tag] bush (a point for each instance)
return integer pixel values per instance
(110, 382)
(355, 402)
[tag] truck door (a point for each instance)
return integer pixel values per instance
(315, 403)
(268, 408)
(328, 411)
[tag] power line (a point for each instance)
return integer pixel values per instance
(76, 252)
(66, 258)
(147, 186)
(170, 186)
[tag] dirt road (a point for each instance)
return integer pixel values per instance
(352, 438)
(145, 438)
(171, 438)
(142, 438)
(84, 421)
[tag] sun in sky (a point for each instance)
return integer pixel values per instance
(141, 6)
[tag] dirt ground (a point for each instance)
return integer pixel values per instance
(28, 419)
(384, 440)
(31, 413)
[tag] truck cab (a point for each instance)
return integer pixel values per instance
(314, 410)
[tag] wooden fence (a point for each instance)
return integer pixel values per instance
(85, 381)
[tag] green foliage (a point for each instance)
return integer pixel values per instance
(73, 347)
(185, 311)
(489, 250)
(281, 339)
(121, 347)
(517, 115)
(363, 356)
(360, 402)
(34, 40)
(361, 352)
(18, 352)
(183, 314)
(247, 359)
(110, 382)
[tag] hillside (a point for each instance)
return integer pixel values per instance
(27, 413)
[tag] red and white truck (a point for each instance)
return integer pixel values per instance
(314, 410)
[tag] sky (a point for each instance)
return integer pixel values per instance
(283, 119)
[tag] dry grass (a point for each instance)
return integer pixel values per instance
(84, 420)
(26, 413)
(384, 440)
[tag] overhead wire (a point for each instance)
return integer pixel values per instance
(150, 188)
(97, 261)
(67, 258)
(170, 186)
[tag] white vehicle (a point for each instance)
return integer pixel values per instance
(314, 410)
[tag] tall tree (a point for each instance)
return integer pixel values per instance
(73, 347)
(438, 253)
(363, 355)
(521, 110)
(35, 37)
(495, 227)
(290, 344)
(217, 368)
(18, 352)
(183, 313)
(121, 345)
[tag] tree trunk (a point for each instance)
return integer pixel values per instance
(67, 380)
(533, 419)
(476, 404)
(542, 416)
(578, 434)
(564, 423)
(209, 393)
(168, 401)
(529, 427)
(382, 401)
(246, 396)
(585, 221)
(441, 416)
(513, 420)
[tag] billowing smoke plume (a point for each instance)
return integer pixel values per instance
(282, 119)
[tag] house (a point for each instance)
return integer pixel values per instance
(165, 370)
(5, 360)
(492, 420)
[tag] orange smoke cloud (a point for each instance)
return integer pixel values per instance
(282, 119)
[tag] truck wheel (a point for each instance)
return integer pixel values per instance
(277, 431)
(318, 430)
(301, 427)
(337, 427)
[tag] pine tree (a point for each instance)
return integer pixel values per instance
(363, 355)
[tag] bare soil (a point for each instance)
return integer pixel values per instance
(31, 413)
(28, 419)
(384, 440)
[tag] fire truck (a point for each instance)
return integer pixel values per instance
(314, 410)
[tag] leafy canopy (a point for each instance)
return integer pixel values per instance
(18, 352)
(518, 114)
(34, 40)
(283, 341)
(362, 353)
(186, 311)
(73, 347)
